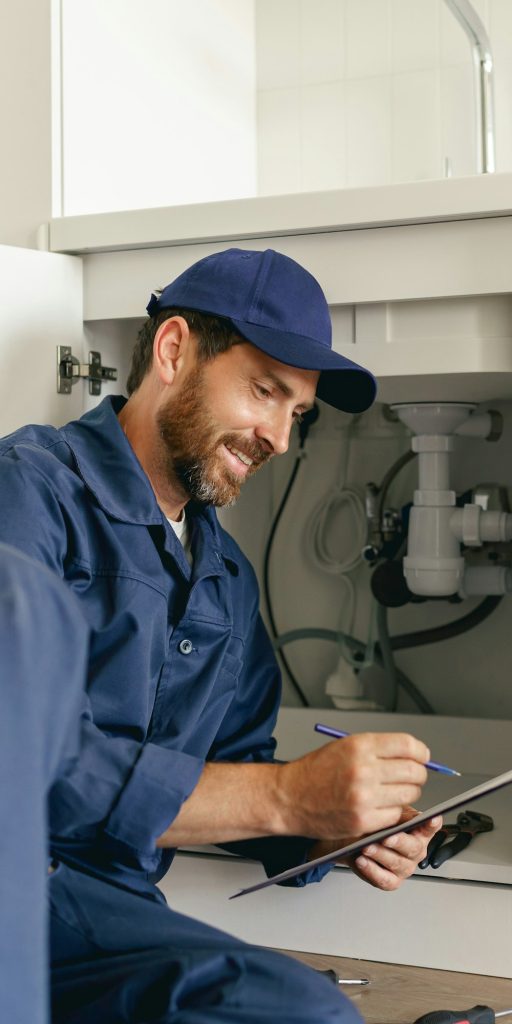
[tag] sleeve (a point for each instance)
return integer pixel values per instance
(31, 519)
(119, 793)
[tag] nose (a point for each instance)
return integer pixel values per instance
(275, 433)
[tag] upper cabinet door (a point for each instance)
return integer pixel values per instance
(40, 308)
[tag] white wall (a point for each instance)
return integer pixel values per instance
(158, 103)
(221, 99)
(369, 92)
(25, 120)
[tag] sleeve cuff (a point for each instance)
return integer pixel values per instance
(151, 799)
(278, 853)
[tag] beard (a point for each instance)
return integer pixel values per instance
(191, 443)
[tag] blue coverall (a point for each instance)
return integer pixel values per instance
(180, 670)
(43, 661)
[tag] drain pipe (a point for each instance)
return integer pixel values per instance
(434, 565)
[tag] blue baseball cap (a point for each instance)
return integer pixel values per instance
(280, 308)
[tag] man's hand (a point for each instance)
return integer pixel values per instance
(352, 786)
(386, 865)
(349, 787)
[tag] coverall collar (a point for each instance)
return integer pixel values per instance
(109, 467)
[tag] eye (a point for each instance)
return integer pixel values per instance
(263, 391)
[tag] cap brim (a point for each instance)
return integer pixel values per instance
(343, 384)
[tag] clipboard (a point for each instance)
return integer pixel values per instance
(489, 786)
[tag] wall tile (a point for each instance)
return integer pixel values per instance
(367, 38)
(278, 43)
(458, 120)
(323, 154)
(415, 131)
(500, 22)
(278, 121)
(368, 131)
(414, 34)
(322, 41)
(501, 42)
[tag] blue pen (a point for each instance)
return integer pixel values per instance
(433, 765)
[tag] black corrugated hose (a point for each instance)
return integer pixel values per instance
(306, 421)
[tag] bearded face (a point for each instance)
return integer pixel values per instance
(210, 465)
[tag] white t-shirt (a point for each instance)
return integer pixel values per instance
(183, 534)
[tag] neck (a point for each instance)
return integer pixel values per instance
(142, 433)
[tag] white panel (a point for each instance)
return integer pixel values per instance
(374, 265)
(428, 923)
(323, 146)
(40, 307)
(322, 41)
(368, 37)
(168, 116)
(414, 34)
(278, 141)
(416, 135)
(277, 44)
(343, 209)
(501, 39)
(458, 120)
(368, 131)
(25, 117)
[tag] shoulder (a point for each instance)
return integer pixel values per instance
(36, 451)
(33, 435)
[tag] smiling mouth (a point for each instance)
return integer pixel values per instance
(246, 459)
(239, 462)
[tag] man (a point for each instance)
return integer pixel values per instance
(43, 652)
(183, 684)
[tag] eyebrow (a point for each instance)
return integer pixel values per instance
(286, 390)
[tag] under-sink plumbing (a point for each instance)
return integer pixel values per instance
(434, 564)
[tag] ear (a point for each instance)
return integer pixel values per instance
(171, 348)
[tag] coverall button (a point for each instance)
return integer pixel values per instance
(185, 646)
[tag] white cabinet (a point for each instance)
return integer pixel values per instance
(40, 308)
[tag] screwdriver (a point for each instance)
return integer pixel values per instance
(475, 1015)
(333, 976)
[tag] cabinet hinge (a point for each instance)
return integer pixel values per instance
(70, 369)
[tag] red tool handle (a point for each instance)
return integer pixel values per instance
(475, 1015)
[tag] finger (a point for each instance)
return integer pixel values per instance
(429, 828)
(413, 845)
(412, 812)
(401, 745)
(397, 795)
(411, 848)
(400, 769)
(375, 874)
(399, 864)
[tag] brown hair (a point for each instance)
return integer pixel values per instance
(215, 334)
